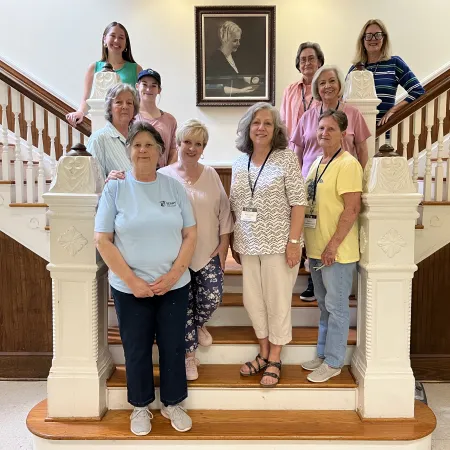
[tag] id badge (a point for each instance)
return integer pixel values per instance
(310, 221)
(248, 215)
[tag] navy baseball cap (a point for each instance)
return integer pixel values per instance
(150, 73)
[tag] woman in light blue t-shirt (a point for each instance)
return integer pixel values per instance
(146, 234)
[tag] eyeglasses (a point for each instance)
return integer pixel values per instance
(310, 59)
(378, 36)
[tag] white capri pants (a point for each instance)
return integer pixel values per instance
(267, 286)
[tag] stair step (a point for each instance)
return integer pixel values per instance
(233, 268)
(220, 386)
(28, 205)
(343, 429)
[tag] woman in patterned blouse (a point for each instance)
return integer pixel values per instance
(268, 201)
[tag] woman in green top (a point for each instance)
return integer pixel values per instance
(116, 49)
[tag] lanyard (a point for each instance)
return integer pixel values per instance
(252, 188)
(337, 107)
(317, 178)
(305, 108)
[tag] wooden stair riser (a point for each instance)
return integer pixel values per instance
(237, 316)
(239, 354)
(233, 283)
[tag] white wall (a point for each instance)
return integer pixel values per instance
(54, 41)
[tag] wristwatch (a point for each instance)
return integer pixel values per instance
(294, 241)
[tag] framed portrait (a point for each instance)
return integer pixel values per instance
(235, 55)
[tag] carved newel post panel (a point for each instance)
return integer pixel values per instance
(81, 359)
(381, 362)
(360, 93)
(103, 80)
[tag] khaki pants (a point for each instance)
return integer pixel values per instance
(267, 285)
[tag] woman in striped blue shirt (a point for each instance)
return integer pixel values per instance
(373, 50)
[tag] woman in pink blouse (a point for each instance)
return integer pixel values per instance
(297, 97)
(327, 88)
(214, 225)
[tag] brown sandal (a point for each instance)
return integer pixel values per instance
(252, 368)
(271, 374)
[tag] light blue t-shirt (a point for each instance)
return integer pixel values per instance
(147, 219)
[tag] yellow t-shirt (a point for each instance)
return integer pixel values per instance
(343, 175)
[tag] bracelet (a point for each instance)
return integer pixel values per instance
(294, 241)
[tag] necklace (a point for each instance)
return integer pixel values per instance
(187, 180)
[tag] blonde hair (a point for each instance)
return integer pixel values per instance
(227, 30)
(315, 81)
(361, 53)
(192, 127)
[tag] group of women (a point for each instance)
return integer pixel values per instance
(165, 224)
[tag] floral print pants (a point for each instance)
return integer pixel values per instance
(205, 294)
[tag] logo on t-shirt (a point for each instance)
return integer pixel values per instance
(169, 204)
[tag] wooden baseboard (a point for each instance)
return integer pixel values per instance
(431, 367)
(26, 366)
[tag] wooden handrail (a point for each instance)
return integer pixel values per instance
(39, 95)
(432, 90)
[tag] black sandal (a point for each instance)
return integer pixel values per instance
(271, 374)
(252, 368)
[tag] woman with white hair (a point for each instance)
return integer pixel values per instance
(268, 201)
(327, 88)
(214, 223)
(108, 145)
(221, 68)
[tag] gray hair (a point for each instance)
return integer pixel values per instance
(316, 47)
(228, 29)
(192, 127)
(139, 127)
(339, 117)
(280, 139)
(315, 81)
(112, 94)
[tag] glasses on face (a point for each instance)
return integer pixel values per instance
(378, 36)
(309, 59)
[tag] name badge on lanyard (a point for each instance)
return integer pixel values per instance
(249, 214)
(310, 221)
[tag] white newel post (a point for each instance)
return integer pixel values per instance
(103, 80)
(360, 93)
(81, 360)
(381, 362)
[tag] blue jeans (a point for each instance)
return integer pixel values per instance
(332, 288)
(140, 319)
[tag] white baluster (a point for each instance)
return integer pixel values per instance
(18, 163)
(28, 104)
(394, 137)
(381, 140)
(405, 137)
(417, 125)
(51, 126)
(439, 176)
(76, 138)
(41, 172)
(427, 179)
(64, 136)
(448, 165)
(5, 155)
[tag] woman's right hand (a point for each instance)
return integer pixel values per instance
(140, 288)
(236, 256)
(75, 118)
(115, 175)
(248, 89)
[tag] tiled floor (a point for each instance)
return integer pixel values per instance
(17, 398)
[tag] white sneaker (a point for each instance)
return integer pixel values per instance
(191, 364)
(323, 373)
(140, 421)
(204, 336)
(313, 364)
(178, 417)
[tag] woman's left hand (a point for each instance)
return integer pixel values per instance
(164, 283)
(293, 253)
(222, 251)
(329, 255)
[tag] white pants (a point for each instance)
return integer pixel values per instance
(267, 284)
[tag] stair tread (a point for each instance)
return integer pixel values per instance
(246, 335)
(227, 376)
(240, 425)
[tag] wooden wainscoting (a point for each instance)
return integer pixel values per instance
(25, 312)
(225, 177)
(430, 335)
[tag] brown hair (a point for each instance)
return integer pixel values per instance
(315, 47)
(139, 127)
(339, 117)
(126, 54)
(361, 53)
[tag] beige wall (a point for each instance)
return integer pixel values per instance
(55, 40)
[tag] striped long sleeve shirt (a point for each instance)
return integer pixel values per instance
(387, 76)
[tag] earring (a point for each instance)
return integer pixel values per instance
(202, 157)
(126, 49)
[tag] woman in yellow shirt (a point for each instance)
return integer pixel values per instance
(334, 186)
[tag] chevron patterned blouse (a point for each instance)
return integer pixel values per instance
(280, 186)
